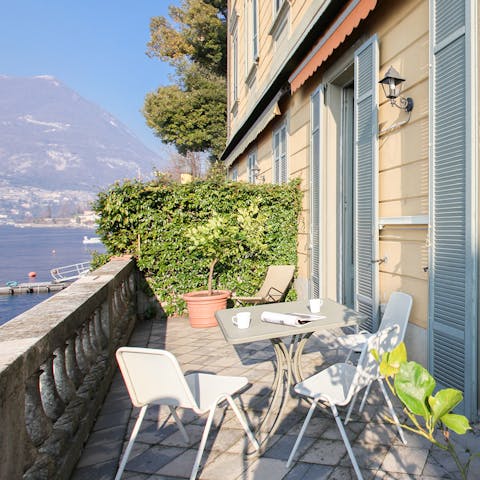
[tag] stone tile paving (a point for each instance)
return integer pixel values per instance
(160, 452)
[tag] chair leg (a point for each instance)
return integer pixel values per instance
(347, 358)
(203, 442)
(243, 422)
(350, 408)
(365, 395)
(346, 442)
(392, 411)
(179, 423)
(302, 432)
(131, 441)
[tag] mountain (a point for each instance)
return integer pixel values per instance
(52, 139)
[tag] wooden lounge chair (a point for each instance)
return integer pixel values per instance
(274, 288)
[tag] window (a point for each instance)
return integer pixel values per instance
(234, 174)
(251, 33)
(277, 6)
(280, 174)
(252, 168)
(235, 66)
(281, 9)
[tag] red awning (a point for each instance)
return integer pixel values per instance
(342, 27)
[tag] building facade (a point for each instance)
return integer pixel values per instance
(390, 192)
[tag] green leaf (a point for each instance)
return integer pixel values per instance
(414, 385)
(458, 423)
(391, 361)
(444, 402)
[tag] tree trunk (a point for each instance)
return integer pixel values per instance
(210, 275)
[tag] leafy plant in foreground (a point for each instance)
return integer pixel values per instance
(428, 413)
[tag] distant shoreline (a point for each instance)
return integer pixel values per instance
(51, 225)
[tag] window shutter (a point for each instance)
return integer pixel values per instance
(365, 181)
(276, 157)
(283, 155)
(315, 195)
(453, 271)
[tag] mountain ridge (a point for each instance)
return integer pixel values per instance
(54, 140)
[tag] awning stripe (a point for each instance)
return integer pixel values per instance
(342, 27)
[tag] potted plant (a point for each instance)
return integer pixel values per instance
(222, 239)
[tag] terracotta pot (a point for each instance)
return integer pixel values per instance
(202, 307)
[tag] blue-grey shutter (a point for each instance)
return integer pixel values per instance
(276, 157)
(365, 181)
(453, 259)
(315, 195)
(283, 155)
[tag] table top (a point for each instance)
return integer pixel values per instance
(336, 315)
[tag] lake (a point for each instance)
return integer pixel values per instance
(37, 249)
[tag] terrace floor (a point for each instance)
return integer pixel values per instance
(161, 454)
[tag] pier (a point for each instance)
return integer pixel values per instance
(33, 287)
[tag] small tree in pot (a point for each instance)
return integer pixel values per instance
(223, 239)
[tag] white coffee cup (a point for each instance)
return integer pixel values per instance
(242, 319)
(315, 304)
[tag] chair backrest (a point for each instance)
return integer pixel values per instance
(383, 341)
(276, 283)
(154, 376)
(397, 312)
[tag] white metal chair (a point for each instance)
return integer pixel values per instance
(339, 384)
(154, 377)
(397, 312)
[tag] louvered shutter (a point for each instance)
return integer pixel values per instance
(283, 155)
(365, 181)
(453, 272)
(276, 157)
(315, 195)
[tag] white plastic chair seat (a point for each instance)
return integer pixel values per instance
(339, 385)
(207, 388)
(154, 377)
(333, 383)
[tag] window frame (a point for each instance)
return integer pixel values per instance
(280, 155)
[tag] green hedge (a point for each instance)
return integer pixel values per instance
(151, 221)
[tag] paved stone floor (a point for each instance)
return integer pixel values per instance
(160, 453)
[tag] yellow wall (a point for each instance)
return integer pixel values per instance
(403, 153)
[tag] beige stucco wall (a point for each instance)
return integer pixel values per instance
(403, 153)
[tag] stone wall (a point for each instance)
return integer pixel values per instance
(56, 365)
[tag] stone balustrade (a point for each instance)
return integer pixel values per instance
(56, 365)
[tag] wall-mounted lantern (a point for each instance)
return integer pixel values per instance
(392, 86)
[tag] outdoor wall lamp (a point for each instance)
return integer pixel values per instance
(392, 86)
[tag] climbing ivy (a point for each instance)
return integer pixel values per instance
(153, 221)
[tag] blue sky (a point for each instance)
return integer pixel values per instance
(95, 47)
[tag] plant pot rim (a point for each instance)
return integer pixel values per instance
(204, 293)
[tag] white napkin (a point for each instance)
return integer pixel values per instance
(290, 319)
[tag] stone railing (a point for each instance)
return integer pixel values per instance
(56, 365)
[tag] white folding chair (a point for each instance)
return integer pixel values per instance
(340, 383)
(397, 312)
(154, 377)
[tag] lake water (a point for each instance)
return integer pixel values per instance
(37, 249)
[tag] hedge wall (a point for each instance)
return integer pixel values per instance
(152, 222)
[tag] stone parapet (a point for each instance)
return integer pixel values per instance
(56, 365)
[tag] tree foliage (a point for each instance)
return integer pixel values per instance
(167, 226)
(192, 113)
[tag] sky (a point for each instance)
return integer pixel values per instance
(95, 47)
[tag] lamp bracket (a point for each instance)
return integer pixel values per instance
(403, 103)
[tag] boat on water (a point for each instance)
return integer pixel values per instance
(70, 273)
(91, 240)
